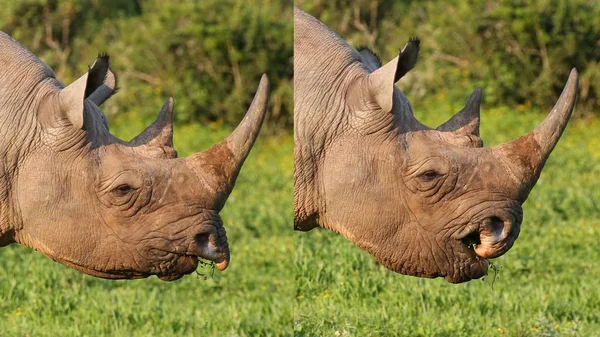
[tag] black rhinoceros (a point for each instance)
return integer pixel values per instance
(424, 202)
(109, 208)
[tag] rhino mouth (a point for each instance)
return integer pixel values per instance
(211, 244)
(467, 264)
(485, 238)
(471, 241)
(184, 264)
(493, 236)
(213, 247)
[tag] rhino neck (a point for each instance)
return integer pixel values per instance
(19, 138)
(305, 190)
(25, 83)
(324, 66)
(8, 219)
(5, 225)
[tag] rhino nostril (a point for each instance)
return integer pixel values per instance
(202, 240)
(496, 235)
(493, 226)
(205, 245)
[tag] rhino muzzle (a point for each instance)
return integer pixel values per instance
(212, 246)
(494, 234)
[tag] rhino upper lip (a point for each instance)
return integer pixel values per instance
(212, 246)
(498, 232)
(210, 243)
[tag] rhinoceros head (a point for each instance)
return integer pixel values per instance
(118, 209)
(424, 202)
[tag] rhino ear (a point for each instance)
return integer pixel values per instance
(466, 121)
(381, 81)
(108, 87)
(73, 96)
(408, 57)
(160, 133)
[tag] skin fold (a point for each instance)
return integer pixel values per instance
(107, 207)
(424, 202)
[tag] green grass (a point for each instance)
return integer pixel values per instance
(253, 297)
(547, 284)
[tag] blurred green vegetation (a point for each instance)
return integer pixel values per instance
(209, 55)
(520, 52)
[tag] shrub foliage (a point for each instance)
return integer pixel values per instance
(520, 52)
(208, 54)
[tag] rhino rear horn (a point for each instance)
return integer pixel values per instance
(160, 132)
(527, 155)
(224, 159)
(466, 121)
(72, 97)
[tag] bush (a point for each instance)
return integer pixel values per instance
(209, 55)
(520, 52)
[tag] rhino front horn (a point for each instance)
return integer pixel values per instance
(224, 159)
(527, 155)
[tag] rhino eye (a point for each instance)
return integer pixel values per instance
(122, 190)
(429, 175)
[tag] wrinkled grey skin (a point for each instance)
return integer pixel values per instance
(424, 202)
(107, 207)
